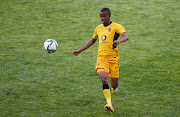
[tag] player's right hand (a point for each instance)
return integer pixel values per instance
(75, 52)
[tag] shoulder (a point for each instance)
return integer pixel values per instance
(99, 26)
(118, 28)
(116, 24)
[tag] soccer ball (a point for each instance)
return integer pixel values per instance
(50, 45)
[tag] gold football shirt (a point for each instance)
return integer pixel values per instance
(106, 36)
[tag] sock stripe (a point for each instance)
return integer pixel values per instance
(105, 86)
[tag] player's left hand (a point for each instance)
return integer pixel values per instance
(116, 42)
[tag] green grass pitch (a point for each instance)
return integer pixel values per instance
(34, 83)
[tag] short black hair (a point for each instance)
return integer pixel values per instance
(106, 10)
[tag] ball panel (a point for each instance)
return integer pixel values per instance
(50, 45)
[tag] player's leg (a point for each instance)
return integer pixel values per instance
(102, 68)
(103, 75)
(106, 91)
(114, 85)
(114, 74)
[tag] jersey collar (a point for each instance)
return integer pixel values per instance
(107, 24)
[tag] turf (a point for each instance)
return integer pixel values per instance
(35, 83)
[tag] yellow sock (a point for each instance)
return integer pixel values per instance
(107, 95)
(114, 90)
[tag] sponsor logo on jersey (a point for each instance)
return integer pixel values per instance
(103, 37)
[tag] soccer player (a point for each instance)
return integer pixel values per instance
(107, 63)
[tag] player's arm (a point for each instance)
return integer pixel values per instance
(87, 45)
(123, 39)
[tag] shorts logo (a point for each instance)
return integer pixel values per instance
(103, 37)
(109, 29)
(98, 64)
(117, 69)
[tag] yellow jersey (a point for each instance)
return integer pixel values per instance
(106, 36)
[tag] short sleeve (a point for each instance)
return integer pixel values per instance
(95, 35)
(120, 29)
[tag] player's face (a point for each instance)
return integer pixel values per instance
(105, 17)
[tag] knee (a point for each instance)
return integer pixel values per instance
(104, 77)
(114, 85)
(114, 82)
(104, 80)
